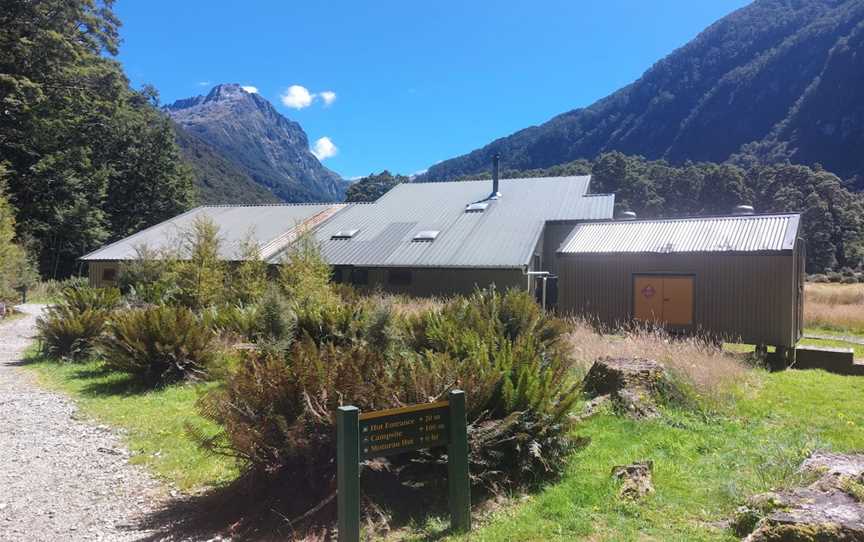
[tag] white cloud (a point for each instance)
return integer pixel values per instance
(297, 97)
(203, 83)
(324, 148)
(328, 96)
(250, 89)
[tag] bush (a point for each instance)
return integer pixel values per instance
(277, 412)
(818, 278)
(69, 330)
(67, 334)
(851, 279)
(834, 276)
(240, 320)
(84, 298)
(277, 409)
(158, 345)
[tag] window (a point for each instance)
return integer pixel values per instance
(109, 274)
(399, 277)
(359, 277)
(425, 236)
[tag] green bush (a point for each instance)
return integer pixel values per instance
(67, 334)
(507, 354)
(83, 298)
(244, 321)
(276, 410)
(158, 345)
(69, 329)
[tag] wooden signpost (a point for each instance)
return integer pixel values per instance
(395, 431)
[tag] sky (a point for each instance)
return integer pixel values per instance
(401, 85)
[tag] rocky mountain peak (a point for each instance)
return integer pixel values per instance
(271, 149)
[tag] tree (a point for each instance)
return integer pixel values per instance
(199, 270)
(369, 189)
(15, 268)
(89, 159)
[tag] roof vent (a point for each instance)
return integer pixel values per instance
(344, 234)
(476, 207)
(627, 215)
(743, 210)
(425, 236)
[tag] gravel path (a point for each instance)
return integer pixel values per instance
(61, 478)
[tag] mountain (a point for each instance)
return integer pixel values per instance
(776, 80)
(248, 132)
(218, 180)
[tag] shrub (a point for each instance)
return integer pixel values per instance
(158, 345)
(277, 412)
(84, 298)
(68, 330)
(147, 279)
(244, 321)
(247, 283)
(278, 323)
(818, 278)
(67, 334)
(850, 279)
(198, 270)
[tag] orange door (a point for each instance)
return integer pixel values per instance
(678, 300)
(666, 299)
(648, 298)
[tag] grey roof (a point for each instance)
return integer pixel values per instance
(750, 233)
(271, 226)
(503, 235)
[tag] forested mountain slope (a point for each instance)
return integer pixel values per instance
(217, 179)
(776, 80)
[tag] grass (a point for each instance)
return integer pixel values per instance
(704, 466)
(153, 422)
(837, 307)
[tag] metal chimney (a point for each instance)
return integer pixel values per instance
(495, 193)
(743, 210)
(627, 215)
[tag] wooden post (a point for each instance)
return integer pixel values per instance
(348, 473)
(457, 465)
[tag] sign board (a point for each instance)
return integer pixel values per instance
(399, 430)
(395, 431)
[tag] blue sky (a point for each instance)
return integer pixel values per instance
(413, 83)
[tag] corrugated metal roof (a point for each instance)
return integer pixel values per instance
(502, 235)
(271, 226)
(751, 233)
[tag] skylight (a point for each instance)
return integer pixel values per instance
(344, 234)
(426, 236)
(476, 207)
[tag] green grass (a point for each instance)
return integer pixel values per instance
(704, 467)
(153, 422)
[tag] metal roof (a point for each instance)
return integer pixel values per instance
(504, 234)
(748, 233)
(271, 226)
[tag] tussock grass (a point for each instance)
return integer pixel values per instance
(714, 377)
(838, 307)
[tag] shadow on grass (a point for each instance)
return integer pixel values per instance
(281, 511)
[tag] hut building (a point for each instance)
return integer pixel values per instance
(733, 277)
(419, 238)
(272, 227)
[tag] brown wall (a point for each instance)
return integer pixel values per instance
(752, 298)
(97, 273)
(440, 281)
